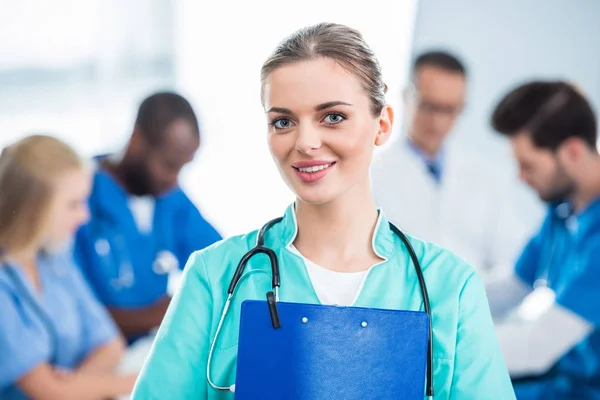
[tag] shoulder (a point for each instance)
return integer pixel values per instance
(177, 195)
(62, 264)
(443, 270)
(6, 283)
(178, 200)
(220, 259)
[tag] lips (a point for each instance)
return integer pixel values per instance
(313, 171)
(315, 168)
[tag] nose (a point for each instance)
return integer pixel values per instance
(308, 139)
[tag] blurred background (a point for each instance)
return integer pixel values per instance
(78, 70)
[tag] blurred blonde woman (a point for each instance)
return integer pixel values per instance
(56, 340)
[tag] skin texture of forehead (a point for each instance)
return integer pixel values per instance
(294, 83)
(440, 85)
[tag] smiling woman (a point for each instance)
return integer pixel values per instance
(228, 87)
(324, 99)
(320, 115)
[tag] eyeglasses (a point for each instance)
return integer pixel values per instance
(430, 108)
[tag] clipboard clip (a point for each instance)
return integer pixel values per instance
(271, 301)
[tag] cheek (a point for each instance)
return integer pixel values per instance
(57, 223)
(280, 146)
(359, 140)
(423, 119)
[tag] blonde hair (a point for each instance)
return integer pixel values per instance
(29, 169)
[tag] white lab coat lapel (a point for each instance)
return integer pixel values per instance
(468, 204)
(413, 200)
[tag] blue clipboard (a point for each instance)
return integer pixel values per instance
(328, 352)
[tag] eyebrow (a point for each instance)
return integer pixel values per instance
(319, 107)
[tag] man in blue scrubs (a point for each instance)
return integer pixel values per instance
(548, 314)
(143, 227)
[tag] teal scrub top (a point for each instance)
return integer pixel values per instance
(467, 364)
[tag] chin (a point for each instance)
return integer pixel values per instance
(58, 245)
(314, 196)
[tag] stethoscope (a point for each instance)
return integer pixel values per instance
(273, 296)
(165, 262)
(564, 213)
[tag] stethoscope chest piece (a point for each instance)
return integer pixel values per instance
(165, 263)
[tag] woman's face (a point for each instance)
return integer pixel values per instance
(321, 130)
(69, 208)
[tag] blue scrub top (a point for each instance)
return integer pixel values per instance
(566, 254)
(118, 259)
(60, 325)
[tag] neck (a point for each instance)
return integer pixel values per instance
(588, 187)
(338, 231)
(430, 151)
(119, 169)
(25, 258)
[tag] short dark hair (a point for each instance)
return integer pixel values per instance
(160, 110)
(549, 111)
(440, 59)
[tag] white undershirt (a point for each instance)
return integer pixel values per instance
(142, 208)
(333, 288)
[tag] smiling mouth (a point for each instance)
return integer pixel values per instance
(314, 168)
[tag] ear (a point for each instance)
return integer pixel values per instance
(572, 150)
(386, 123)
(137, 141)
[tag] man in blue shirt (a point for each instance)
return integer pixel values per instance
(547, 314)
(143, 227)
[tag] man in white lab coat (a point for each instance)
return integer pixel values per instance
(436, 191)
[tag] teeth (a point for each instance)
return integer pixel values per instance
(314, 168)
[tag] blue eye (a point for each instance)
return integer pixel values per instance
(282, 123)
(334, 118)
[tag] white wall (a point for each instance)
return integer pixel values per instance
(505, 43)
(78, 69)
(221, 48)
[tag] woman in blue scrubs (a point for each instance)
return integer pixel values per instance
(56, 340)
(324, 98)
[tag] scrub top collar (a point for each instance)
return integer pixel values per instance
(586, 219)
(47, 261)
(286, 231)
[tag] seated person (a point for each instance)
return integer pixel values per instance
(143, 227)
(56, 339)
(548, 313)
